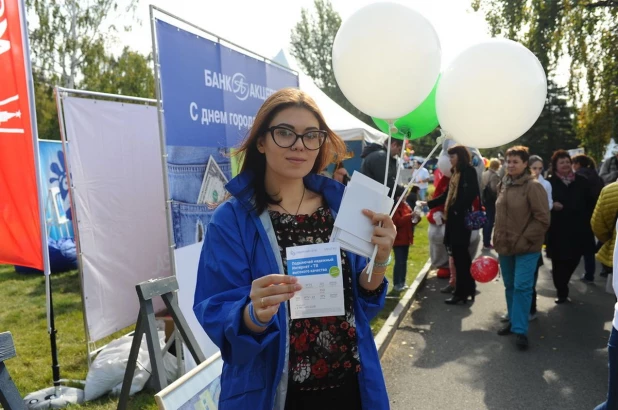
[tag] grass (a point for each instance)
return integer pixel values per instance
(22, 312)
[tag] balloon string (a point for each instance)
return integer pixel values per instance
(438, 143)
(388, 157)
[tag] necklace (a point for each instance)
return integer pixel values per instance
(297, 209)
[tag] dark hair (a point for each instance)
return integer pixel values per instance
(397, 141)
(518, 151)
(399, 190)
(415, 189)
(333, 149)
(584, 161)
(463, 156)
(556, 156)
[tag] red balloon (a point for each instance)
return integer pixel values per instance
(484, 269)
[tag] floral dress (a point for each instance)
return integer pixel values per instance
(323, 351)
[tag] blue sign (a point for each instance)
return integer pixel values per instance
(211, 93)
(53, 175)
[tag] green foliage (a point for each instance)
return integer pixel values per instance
(69, 45)
(129, 74)
(312, 45)
(584, 31)
(553, 130)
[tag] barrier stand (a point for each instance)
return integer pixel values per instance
(146, 324)
(9, 395)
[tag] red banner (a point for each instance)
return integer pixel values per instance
(20, 225)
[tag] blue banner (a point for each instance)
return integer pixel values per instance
(211, 93)
(53, 175)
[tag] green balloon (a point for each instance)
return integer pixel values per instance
(418, 123)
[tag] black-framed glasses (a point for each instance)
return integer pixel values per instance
(285, 137)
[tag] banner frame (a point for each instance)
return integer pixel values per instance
(219, 40)
(60, 94)
(162, 137)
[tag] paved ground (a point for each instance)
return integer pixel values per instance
(449, 357)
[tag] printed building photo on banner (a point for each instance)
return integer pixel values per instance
(210, 95)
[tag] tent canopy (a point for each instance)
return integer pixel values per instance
(342, 122)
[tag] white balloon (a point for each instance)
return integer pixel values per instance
(386, 59)
(491, 94)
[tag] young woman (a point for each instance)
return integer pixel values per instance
(570, 234)
(279, 201)
(463, 189)
(522, 218)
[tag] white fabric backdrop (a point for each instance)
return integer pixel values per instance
(115, 164)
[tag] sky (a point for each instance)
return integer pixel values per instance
(264, 26)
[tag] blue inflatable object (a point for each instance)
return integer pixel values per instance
(62, 256)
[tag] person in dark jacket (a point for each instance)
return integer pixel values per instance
(586, 167)
(374, 161)
(570, 234)
(463, 189)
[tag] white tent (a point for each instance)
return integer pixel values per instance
(342, 122)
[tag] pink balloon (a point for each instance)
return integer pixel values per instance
(484, 269)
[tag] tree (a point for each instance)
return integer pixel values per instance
(553, 130)
(586, 31)
(69, 40)
(312, 45)
(66, 31)
(129, 74)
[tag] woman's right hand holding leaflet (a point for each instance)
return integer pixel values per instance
(267, 293)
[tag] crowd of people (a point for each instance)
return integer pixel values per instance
(279, 200)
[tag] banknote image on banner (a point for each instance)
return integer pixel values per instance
(210, 95)
(20, 225)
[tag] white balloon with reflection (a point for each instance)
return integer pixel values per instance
(386, 59)
(491, 94)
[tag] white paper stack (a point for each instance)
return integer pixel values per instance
(353, 230)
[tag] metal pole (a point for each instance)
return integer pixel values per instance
(166, 198)
(219, 39)
(105, 95)
(80, 264)
(42, 202)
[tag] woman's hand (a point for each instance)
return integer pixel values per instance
(383, 236)
(558, 206)
(267, 293)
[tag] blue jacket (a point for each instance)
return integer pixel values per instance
(240, 246)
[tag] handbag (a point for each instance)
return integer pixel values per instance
(475, 220)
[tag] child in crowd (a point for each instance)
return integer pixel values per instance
(405, 220)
